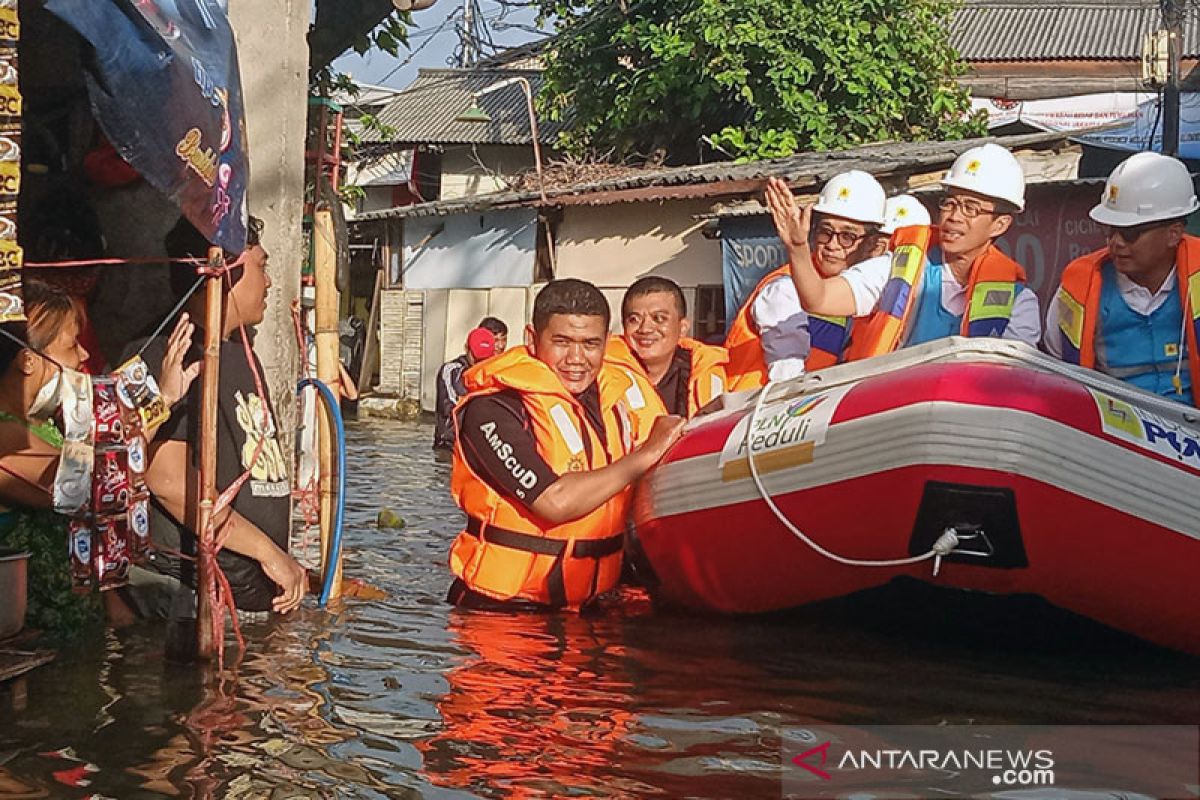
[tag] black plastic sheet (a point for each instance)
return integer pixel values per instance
(165, 87)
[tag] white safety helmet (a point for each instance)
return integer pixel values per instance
(1146, 187)
(903, 210)
(991, 171)
(853, 195)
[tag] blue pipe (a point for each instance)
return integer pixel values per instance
(335, 546)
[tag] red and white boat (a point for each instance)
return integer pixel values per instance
(1054, 480)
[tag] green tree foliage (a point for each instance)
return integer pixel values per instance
(759, 78)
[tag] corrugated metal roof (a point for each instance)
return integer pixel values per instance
(1013, 30)
(427, 111)
(711, 180)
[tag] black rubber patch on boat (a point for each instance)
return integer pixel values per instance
(985, 518)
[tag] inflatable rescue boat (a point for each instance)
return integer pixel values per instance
(976, 464)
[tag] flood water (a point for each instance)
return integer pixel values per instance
(406, 697)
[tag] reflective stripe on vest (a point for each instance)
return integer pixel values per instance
(529, 558)
(829, 337)
(992, 289)
(1079, 308)
(990, 309)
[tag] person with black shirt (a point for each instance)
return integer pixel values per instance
(481, 344)
(545, 461)
(262, 575)
(685, 374)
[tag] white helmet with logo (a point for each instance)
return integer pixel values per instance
(903, 210)
(991, 171)
(1146, 187)
(853, 195)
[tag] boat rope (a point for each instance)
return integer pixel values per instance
(944, 545)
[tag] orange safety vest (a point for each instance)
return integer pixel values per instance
(641, 398)
(1079, 306)
(706, 379)
(991, 292)
(747, 367)
(508, 553)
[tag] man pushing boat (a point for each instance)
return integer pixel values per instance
(545, 460)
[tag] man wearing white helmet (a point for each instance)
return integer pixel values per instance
(772, 335)
(943, 280)
(1126, 309)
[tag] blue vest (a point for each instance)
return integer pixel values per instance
(1140, 349)
(932, 320)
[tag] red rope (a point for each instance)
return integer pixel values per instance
(101, 262)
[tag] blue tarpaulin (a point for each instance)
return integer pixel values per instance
(750, 249)
(165, 88)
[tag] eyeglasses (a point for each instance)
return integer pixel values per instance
(1130, 234)
(970, 209)
(846, 239)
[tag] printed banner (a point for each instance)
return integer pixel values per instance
(11, 305)
(165, 87)
(749, 250)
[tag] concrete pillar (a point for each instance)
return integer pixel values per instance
(273, 53)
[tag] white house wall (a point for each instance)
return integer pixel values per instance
(614, 245)
(470, 251)
(482, 169)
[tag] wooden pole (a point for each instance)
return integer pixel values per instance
(327, 303)
(213, 334)
(367, 369)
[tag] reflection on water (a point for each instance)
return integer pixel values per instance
(409, 698)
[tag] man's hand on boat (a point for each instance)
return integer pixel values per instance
(577, 494)
(663, 433)
(792, 220)
(289, 576)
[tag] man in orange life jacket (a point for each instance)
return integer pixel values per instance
(939, 281)
(545, 461)
(655, 348)
(773, 335)
(1130, 310)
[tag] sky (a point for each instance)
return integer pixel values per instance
(433, 40)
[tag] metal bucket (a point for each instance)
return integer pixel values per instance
(13, 589)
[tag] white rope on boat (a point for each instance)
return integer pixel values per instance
(944, 545)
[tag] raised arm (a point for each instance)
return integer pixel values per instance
(818, 295)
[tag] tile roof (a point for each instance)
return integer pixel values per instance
(1035, 30)
(427, 111)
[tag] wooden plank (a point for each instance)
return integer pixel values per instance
(14, 663)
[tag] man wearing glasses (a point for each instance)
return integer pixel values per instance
(773, 335)
(939, 281)
(1129, 309)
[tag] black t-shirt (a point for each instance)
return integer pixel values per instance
(673, 388)
(499, 446)
(265, 497)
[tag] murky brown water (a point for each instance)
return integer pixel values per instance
(408, 698)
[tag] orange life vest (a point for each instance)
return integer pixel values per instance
(641, 398)
(991, 293)
(508, 553)
(747, 368)
(706, 380)
(1079, 306)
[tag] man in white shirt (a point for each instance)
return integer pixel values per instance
(939, 281)
(772, 335)
(1126, 310)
